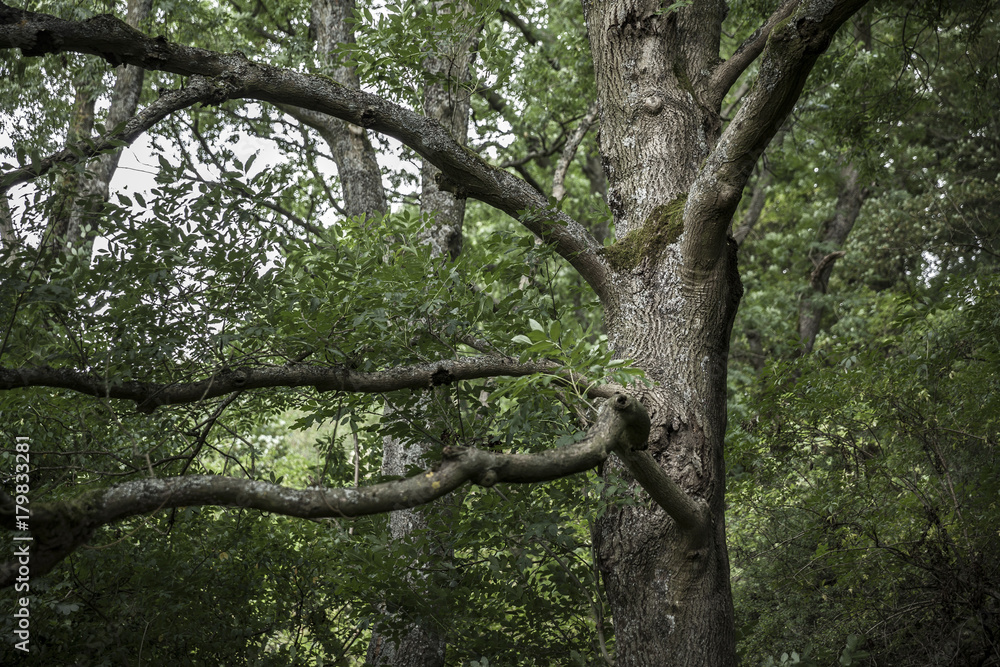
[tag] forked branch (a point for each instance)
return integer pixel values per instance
(792, 48)
(727, 72)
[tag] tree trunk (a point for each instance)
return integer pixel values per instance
(70, 185)
(668, 588)
(834, 235)
(357, 165)
(74, 227)
(8, 238)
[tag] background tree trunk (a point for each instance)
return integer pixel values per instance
(85, 195)
(357, 164)
(833, 237)
(422, 643)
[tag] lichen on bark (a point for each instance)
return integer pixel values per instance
(662, 227)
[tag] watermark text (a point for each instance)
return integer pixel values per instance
(22, 541)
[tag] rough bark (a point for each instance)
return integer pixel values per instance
(675, 179)
(669, 284)
(664, 582)
(654, 128)
(668, 578)
(357, 166)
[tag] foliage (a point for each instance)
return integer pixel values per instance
(862, 494)
(907, 558)
(863, 478)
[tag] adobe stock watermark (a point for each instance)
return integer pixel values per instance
(22, 540)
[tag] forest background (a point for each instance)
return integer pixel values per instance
(863, 392)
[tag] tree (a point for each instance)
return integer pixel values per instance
(894, 402)
(675, 168)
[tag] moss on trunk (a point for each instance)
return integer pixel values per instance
(662, 228)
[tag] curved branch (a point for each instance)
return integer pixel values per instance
(816, 277)
(57, 528)
(198, 89)
(792, 49)
(727, 72)
(150, 395)
(464, 172)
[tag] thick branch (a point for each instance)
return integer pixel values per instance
(464, 172)
(57, 528)
(792, 49)
(691, 515)
(726, 73)
(150, 395)
(198, 89)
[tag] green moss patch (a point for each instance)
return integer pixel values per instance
(663, 227)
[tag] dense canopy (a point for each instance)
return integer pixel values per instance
(500, 333)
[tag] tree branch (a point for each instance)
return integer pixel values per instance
(150, 395)
(532, 35)
(558, 180)
(727, 72)
(816, 277)
(792, 49)
(198, 89)
(690, 515)
(59, 527)
(464, 172)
